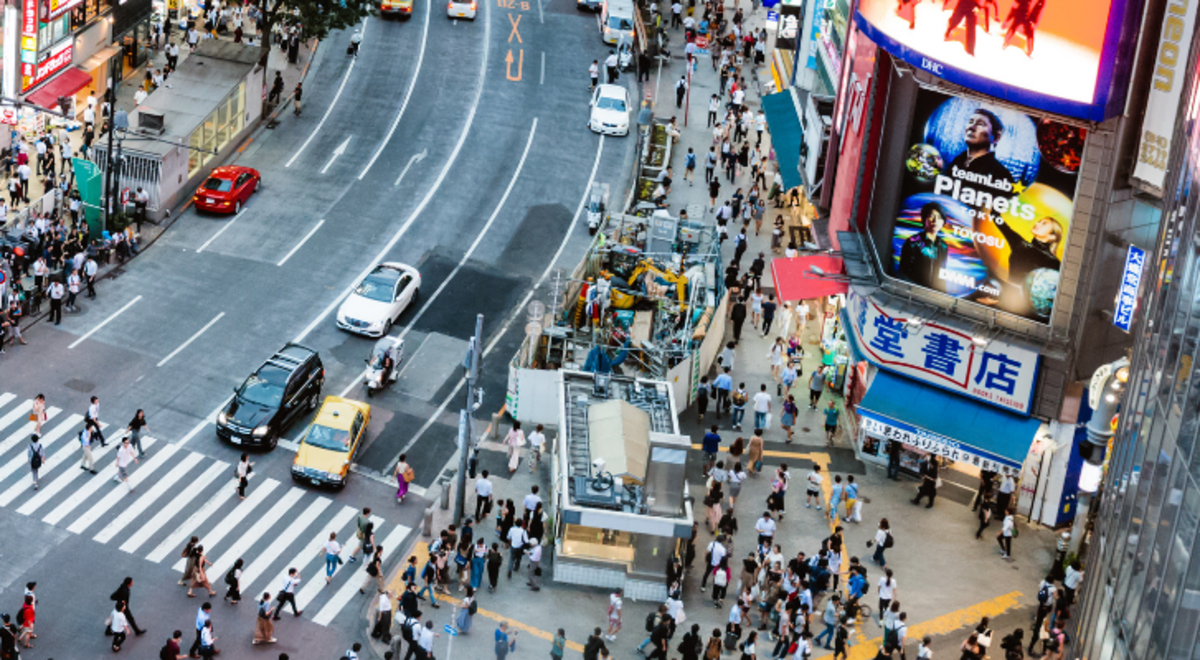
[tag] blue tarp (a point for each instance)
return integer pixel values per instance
(786, 135)
(964, 424)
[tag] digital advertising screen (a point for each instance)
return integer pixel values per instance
(987, 198)
(1056, 55)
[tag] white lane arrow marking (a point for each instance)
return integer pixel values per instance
(337, 152)
(416, 158)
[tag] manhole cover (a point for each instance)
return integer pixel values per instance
(80, 385)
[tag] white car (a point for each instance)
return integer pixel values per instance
(610, 110)
(461, 9)
(379, 299)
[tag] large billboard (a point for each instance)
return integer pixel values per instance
(987, 199)
(1058, 55)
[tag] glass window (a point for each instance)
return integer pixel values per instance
(195, 158)
(222, 125)
(594, 543)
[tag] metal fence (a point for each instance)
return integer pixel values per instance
(138, 170)
(45, 204)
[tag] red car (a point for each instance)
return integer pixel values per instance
(226, 189)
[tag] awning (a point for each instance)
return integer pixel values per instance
(946, 424)
(101, 56)
(795, 281)
(64, 84)
(783, 120)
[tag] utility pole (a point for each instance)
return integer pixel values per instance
(113, 81)
(466, 441)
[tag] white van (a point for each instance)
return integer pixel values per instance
(616, 18)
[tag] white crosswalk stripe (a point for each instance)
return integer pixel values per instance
(164, 515)
(131, 512)
(178, 493)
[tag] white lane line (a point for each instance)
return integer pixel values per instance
(315, 583)
(160, 487)
(387, 247)
(541, 20)
(479, 238)
(416, 158)
(333, 103)
(300, 244)
(94, 483)
(542, 77)
(263, 524)
(190, 340)
(66, 458)
(519, 309)
(118, 491)
(22, 410)
(407, 95)
(311, 549)
(349, 589)
(220, 231)
(105, 322)
(341, 149)
(24, 431)
(174, 541)
(281, 542)
(19, 460)
(174, 507)
(217, 534)
(6, 397)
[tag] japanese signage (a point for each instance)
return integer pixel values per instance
(52, 62)
(987, 200)
(8, 114)
(29, 34)
(998, 373)
(932, 443)
(1158, 122)
(988, 45)
(1131, 278)
(56, 8)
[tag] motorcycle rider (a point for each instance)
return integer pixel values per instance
(355, 40)
(386, 367)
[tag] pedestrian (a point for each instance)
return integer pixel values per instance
(768, 314)
(85, 444)
(123, 594)
(816, 385)
(173, 649)
(681, 88)
(1005, 537)
(264, 626)
(883, 540)
(788, 419)
(73, 283)
(495, 561)
(287, 594)
(8, 639)
(594, 74)
(614, 614)
(276, 89)
(558, 645)
(57, 292)
(1005, 493)
(737, 314)
(242, 473)
(702, 393)
(189, 558)
(125, 456)
(537, 441)
(483, 496)
(362, 525)
(203, 619)
(208, 641)
(754, 452)
(610, 65)
(517, 539)
(199, 577)
(90, 269)
(513, 443)
(506, 642)
(296, 94)
(382, 630)
(851, 500)
(762, 408)
(92, 419)
(535, 565)
(36, 455)
(233, 580)
(893, 466)
(404, 478)
(689, 167)
(38, 414)
(136, 427)
(1071, 580)
(333, 559)
(118, 627)
(831, 421)
(466, 612)
(929, 481)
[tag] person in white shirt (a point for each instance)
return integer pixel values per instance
(1071, 581)
(762, 407)
(352, 652)
(594, 74)
(119, 626)
(139, 97)
(537, 440)
(1005, 536)
(614, 614)
(90, 268)
(716, 552)
(517, 538)
(532, 500)
(766, 528)
(813, 492)
(887, 593)
(92, 419)
(333, 550)
(425, 638)
(535, 566)
(287, 593)
(923, 650)
(483, 496)
(125, 456)
(513, 442)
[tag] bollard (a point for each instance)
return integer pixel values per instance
(427, 522)
(494, 432)
(445, 497)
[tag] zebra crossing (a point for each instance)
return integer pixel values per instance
(178, 493)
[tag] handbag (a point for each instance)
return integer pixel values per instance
(985, 640)
(409, 475)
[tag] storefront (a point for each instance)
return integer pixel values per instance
(938, 390)
(131, 32)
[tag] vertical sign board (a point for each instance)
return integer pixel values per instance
(1167, 87)
(29, 34)
(1131, 279)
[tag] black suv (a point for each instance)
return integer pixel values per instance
(272, 397)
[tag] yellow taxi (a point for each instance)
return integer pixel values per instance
(328, 444)
(401, 8)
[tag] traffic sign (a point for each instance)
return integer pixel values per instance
(125, 197)
(3, 278)
(451, 630)
(773, 17)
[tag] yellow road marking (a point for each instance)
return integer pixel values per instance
(514, 32)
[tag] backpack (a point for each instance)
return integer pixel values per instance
(21, 617)
(35, 461)
(473, 608)
(429, 572)
(891, 636)
(1043, 595)
(690, 162)
(889, 541)
(650, 621)
(713, 650)
(230, 579)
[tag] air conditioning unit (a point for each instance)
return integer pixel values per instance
(150, 123)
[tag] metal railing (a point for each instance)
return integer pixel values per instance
(45, 204)
(138, 171)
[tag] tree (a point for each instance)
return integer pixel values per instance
(316, 18)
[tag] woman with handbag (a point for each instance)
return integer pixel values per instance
(374, 569)
(754, 453)
(264, 627)
(242, 473)
(38, 414)
(404, 477)
(199, 576)
(466, 612)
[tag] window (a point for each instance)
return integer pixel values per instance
(88, 11)
(600, 544)
(49, 34)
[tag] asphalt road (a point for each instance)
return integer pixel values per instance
(431, 148)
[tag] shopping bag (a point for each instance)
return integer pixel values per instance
(767, 424)
(856, 515)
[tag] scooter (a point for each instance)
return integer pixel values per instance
(596, 206)
(391, 347)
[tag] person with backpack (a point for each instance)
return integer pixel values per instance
(233, 580)
(652, 621)
(429, 576)
(712, 648)
(264, 625)
(36, 454)
(124, 594)
(883, 540)
(1046, 603)
(689, 167)
(26, 616)
(896, 632)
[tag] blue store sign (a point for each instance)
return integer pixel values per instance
(1131, 279)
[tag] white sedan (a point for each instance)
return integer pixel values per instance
(461, 9)
(379, 299)
(610, 110)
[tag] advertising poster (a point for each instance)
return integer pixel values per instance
(987, 200)
(1034, 52)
